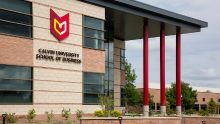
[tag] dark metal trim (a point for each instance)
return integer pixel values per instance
(151, 12)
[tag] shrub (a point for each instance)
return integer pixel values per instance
(66, 113)
(99, 113)
(212, 106)
(116, 113)
(31, 115)
(190, 111)
(79, 114)
(49, 116)
(203, 113)
(11, 118)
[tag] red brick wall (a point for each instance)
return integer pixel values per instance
(200, 120)
(166, 120)
(16, 51)
(93, 60)
(155, 120)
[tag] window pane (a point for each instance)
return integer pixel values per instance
(111, 52)
(122, 53)
(15, 29)
(15, 17)
(106, 87)
(15, 85)
(93, 78)
(93, 43)
(93, 33)
(15, 97)
(111, 74)
(106, 73)
(111, 86)
(91, 98)
(122, 66)
(97, 89)
(9, 71)
(93, 23)
(16, 5)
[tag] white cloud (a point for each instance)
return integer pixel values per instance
(203, 74)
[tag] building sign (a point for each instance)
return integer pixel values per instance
(58, 56)
(59, 26)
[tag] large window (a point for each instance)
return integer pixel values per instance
(93, 87)
(93, 33)
(122, 59)
(16, 17)
(15, 84)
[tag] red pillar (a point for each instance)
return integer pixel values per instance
(178, 70)
(145, 64)
(162, 69)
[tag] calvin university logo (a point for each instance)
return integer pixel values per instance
(59, 26)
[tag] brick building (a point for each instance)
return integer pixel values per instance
(57, 54)
(203, 97)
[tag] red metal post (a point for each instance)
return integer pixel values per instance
(178, 70)
(162, 69)
(145, 76)
(145, 64)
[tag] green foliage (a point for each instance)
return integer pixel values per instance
(49, 115)
(130, 73)
(11, 118)
(79, 114)
(169, 110)
(31, 115)
(102, 113)
(106, 102)
(190, 111)
(116, 113)
(204, 112)
(212, 106)
(188, 96)
(66, 113)
(133, 97)
(151, 101)
(99, 113)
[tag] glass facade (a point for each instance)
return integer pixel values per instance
(15, 84)
(14, 15)
(122, 59)
(93, 85)
(109, 63)
(93, 33)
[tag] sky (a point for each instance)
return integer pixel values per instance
(200, 51)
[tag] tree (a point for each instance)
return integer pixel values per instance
(212, 106)
(188, 96)
(133, 98)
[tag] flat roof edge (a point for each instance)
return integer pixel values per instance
(145, 8)
(163, 12)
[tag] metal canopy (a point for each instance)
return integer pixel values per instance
(126, 18)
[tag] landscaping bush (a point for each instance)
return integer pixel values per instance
(116, 113)
(49, 116)
(66, 113)
(11, 118)
(203, 113)
(99, 113)
(31, 115)
(79, 114)
(190, 111)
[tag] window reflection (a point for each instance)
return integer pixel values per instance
(93, 86)
(15, 84)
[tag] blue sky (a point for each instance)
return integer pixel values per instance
(200, 51)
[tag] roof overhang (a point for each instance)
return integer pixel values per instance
(126, 17)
